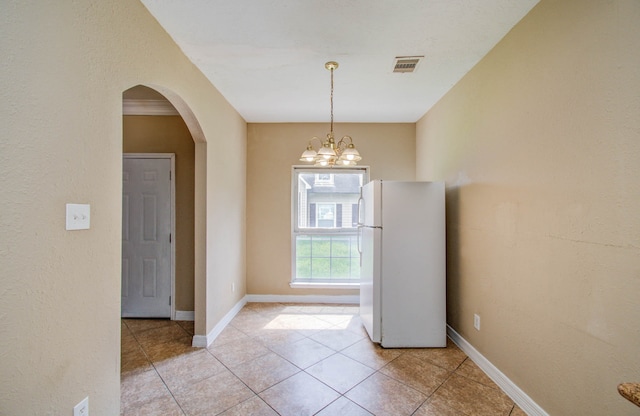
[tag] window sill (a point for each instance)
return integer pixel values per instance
(323, 285)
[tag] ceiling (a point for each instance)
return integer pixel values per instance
(267, 56)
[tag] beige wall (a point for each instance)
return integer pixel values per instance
(540, 148)
(169, 134)
(64, 67)
(389, 150)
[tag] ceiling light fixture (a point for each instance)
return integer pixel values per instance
(330, 153)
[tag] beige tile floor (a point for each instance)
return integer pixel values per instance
(296, 359)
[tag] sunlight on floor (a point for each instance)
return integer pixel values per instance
(302, 322)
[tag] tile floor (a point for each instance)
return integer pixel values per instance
(296, 359)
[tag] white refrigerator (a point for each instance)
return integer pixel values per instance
(402, 249)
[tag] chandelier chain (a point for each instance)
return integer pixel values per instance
(331, 101)
(331, 153)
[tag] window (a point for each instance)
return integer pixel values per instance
(323, 179)
(325, 219)
(326, 215)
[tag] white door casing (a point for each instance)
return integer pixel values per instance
(147, 231)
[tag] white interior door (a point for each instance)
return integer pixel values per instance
(146, 237)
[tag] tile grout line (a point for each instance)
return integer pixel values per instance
(270, 347)
(376, 370)
(303, 370)
(228, 368)
(255, 394)
(156, 370)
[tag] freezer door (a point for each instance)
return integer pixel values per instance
(370, 281)
(370, 204)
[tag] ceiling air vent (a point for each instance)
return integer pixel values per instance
(405, 64)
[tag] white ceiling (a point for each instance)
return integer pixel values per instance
(267, 56)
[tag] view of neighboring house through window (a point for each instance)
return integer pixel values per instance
(325, 222)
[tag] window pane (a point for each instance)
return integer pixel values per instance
(320, 268)
(327, 200)
(340, 268)
(303, 268)
(340, 247)
(354, 247)
(327, 257)
(321, 246)
(355, 268)
(303, 246)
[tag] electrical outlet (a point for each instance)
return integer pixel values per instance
(476, 321)
(82, 408)
(233, 287)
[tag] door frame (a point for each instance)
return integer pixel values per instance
(172, 217)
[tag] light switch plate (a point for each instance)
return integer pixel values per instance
(82, 408)
(78, 216)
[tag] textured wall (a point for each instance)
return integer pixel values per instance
(389, 150)
(540, 146)
(64, 67)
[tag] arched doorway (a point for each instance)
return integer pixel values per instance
(157, 121)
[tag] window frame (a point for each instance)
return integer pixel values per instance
(296, 230)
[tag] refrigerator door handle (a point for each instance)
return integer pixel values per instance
(360, 204)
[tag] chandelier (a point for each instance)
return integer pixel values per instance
(330, 153)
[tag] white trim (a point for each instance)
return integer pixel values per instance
(304, 298)
(149, 155)
(206, 340)
(132, 107)
(172, 157)
(185, 316)
(523, 401)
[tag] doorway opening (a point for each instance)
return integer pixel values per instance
(152, 125)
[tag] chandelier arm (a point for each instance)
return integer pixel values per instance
(315, 138)
(343, 141)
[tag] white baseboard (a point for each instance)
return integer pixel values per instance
(185, 316)
(206, 340)
(518, 396)
(349, 299)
